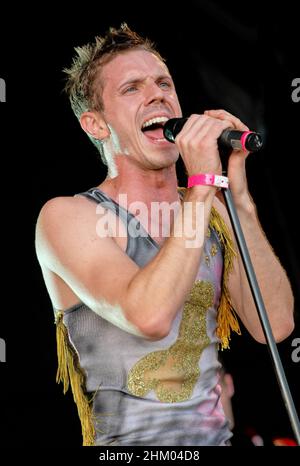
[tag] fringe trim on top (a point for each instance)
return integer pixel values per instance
(69, 372)
(227, 320)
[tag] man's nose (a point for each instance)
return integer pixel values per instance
(153, 93)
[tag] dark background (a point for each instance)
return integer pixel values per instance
(242, 59)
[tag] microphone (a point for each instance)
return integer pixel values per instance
(230, 138)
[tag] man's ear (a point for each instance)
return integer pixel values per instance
(93, 124)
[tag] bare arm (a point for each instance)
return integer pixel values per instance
(272, 279)
(105, 278)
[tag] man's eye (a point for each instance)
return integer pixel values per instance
(165, 85)
(130, 89)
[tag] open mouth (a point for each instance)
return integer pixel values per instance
(153, 128)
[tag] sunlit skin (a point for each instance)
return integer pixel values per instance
(136, 86)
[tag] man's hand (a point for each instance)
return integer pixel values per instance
(197, 144)
(236, 164)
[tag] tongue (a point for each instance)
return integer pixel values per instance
(157, 133)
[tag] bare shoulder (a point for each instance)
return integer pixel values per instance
(60, 219)
(57, 211)
(57, 207)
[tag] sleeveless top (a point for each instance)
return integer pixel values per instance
(140, 391)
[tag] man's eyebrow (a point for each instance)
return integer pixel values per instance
(140, 80)
(130, 81)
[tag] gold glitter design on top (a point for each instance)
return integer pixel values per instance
(173, 373)
(213, 249)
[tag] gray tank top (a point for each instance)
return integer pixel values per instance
(147, 392)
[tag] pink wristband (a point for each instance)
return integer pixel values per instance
(208, 179)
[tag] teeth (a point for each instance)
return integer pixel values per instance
(161, 119)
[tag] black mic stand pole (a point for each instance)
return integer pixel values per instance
(278, 368)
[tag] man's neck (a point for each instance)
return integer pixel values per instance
(144, 186)
(149, 188)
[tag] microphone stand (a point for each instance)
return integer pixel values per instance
(278, 368)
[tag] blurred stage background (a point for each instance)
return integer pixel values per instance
(241, 59)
